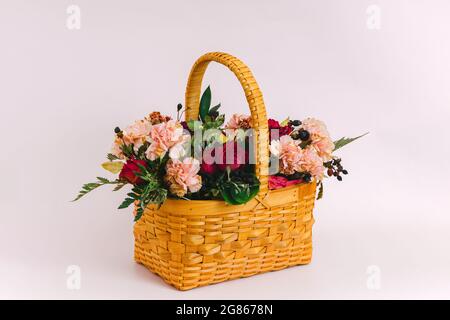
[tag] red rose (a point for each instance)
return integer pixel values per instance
(236, 156)
(129, 170)
(285, 130)
(273, 124)
(282, 130)
(208, 168)
(208, 165)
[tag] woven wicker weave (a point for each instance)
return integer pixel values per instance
(200, 242)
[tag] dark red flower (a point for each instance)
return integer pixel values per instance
(282, 130)
(208, 163)
(273, 124)
(286, 130)
(208, 168)
(129, 170)
(278, 182)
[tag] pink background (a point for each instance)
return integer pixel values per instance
(63, 91)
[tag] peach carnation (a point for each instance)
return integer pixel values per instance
(181, 176)
(137, 133)
(312, 163)
(239, 121)
(116, 148)
(320, 138)
(324, 148)
(163, 137)
(289, 153)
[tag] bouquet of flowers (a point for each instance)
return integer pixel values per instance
(211, 159)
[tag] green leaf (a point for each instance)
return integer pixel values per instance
(320, 193)
(141, 151)
(133, 195)
(111, 157)
(220, 120)
(238, 193)
(205, 104)
(344, 141)
(149, 195)
(126, 203)
(208, 119)
(88, 187)
(139, 213)
(214, 109)
(103, 180)
(119, 186)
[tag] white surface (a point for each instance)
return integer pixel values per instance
(63, 92)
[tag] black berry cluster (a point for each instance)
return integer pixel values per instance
(335, 169)
(298, 133)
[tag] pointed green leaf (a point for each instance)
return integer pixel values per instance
(139, 213)
(320, 193)
(112, 157)
(344, 141)
(88, 187)
(214, 109)
(126, 203)
(205, 104)
(119, 186)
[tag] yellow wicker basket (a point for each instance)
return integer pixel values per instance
(200, 242)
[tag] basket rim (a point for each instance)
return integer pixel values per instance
(277, 197)
(237, 205)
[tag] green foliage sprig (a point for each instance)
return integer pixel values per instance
(151, 191)
(344, 141)
(88, 187)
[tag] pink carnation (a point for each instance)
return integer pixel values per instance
(324, 148)
(315, 127)
(312, 163)
(137, 133)
(181, 176)
(163, 137)
(292, 158)
(277, 182)
(116, 148)
(320, 138)
(289, 153)
(239, 121)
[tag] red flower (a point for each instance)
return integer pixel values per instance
(208, 168)
(286, 130)
(208, 165)
(236, 156)
(273, 124)
(282, 130)
(129, 170)
(277, 182)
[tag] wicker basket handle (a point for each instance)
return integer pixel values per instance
(254, 99)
